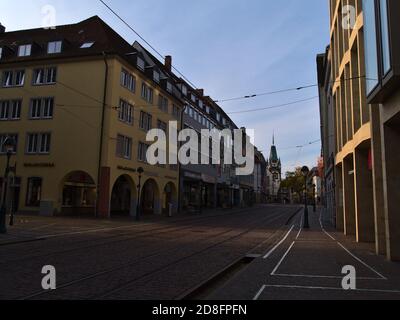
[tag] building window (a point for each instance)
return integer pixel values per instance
(140, 63)
(193, 97)
(175, 111)
(54, 47)
(145, 121)
(124, 147)
(169, 87)
(128, 80)
(125, 112)
(41, 108)
(208, 109)
(33, 192)
(184, 90)
(162, 125)
(45, 76)
(10, 110)
(163, 103)
(371, 50)
(387, 65)
(87, 45)
(38, 143)
(1, 52)
(142, 151)
(201, 104)
(156, 76)
(24, 50)
(3, 138)
(13, 78)
(147, 93)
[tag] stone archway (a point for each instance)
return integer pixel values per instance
(123, 197)
(150, 202)
(170, 197)
(78, 194)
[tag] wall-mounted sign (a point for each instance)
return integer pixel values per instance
(39, 165)
(126, 169)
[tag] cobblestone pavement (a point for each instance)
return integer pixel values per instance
(308, 264)
(156, 258)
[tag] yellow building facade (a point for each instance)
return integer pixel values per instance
(80, 117)
(354, 172)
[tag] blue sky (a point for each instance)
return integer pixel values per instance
(228, 47)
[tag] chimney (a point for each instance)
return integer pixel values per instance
(168, 63)
(2, 28)
(200, 92)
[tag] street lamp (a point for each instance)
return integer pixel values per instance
(140, 171)
(305, 171)
(9, 145)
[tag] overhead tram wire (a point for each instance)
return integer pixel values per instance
(144, 40)
(273, 107)
(116, 108)
(284, 90)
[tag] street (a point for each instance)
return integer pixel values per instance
(258, 253)
(163, 259)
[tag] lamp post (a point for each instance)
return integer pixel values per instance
(305, 171)
(9, 145)
(140, 171)
(231, 195)
(314, 199)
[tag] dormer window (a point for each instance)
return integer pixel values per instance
(169, 87)
(184, 90)
(87, 45)
(140, 63)
(54, 47)
(24, 50)
(201, 104)
(1, 52)
(208, 109)
(193, 97)
(156, 76)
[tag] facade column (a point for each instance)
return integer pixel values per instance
(339, 198)
(104, 192)
(391, 174)
(364, 205)
(377, 175)
(348, 196)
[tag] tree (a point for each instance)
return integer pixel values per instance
(294, 181)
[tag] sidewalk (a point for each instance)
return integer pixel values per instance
(307, 264)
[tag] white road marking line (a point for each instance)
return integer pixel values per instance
(301, 227)
(362, 262)
(88, 231)
(330, 288)
(42, 227)
(323, 229)
(279, 243)
(320, 277)
(282, 259)
(259, 293)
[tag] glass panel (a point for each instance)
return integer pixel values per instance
(385, 37)
(371, 55)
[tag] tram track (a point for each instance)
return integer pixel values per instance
(127, 236)
(226, 236)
